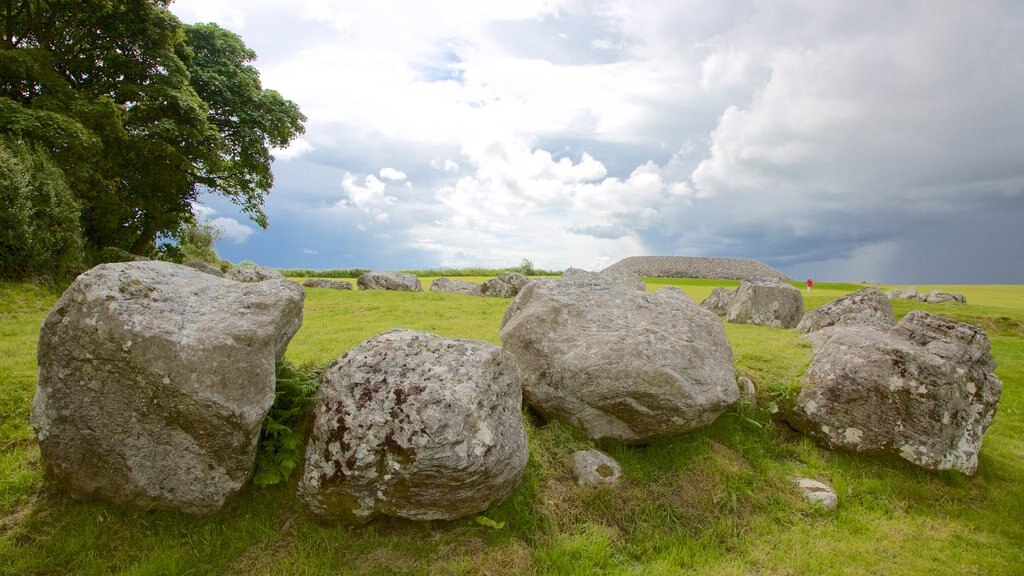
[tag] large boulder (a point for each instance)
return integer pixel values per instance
(205, 267)
(154, 380)
(767, 303)
(414, 425)
(924, 390)
(719, 301)
(619, 363)
(387, 280)
(455, 286)
(327, 283)
(506, 285)
(624, 278)
(251, 273)
(869, 306)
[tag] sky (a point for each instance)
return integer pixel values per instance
(858, 141)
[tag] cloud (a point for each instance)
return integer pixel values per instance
(310, 251)
(392, 174)
(296, 149)
(233, 230)
(368, 196)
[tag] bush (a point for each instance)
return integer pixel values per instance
(40, 232)
(281, 441)
(112, 254)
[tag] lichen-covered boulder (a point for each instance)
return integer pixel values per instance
(595, 468)
(154, 380)
(249, 273)
(327, 283)
(455, 286)
(904, 294)
(506, 285)
(624, 278)
(388, 280)
(417, 426)
(619, 363)
(767, 303)
(924, 390)
(205, 267)
(719, 301)
(941, 296)
(868, 306)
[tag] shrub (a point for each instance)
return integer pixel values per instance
(281, 441)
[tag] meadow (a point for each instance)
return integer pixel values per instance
(716, 501)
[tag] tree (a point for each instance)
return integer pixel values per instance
(141, 113)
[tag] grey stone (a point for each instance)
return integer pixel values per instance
(924, 390)
(868, 306)
(697, 267)
(904, 294)
(205, 267)
(940, 296)
(748, 393)
(249, 273)
(327, 283)
(506, 285)
(817, 493)
(595, 468)
(719, 300)
(417, 426)
(388, 280)
(767, 303)
(154, 380)
(622, 277)
(455, 286)
(616, 362)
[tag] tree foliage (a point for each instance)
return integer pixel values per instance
(140, 112)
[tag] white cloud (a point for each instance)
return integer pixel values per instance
(296, 149)
(371, 194)
(392, 174)
(233, 230)
(310, 251)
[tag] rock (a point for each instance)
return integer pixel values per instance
(868, 306)
(253, 274)
(697, 267)
(387, 280)
(593, 468)
(817, 493)
(154, 380)
(903, 294)
(205, 267)
(624, 278)
(507, 285)
(327, 283)
(455, 286)
(719, 300)
(924, 390)
(619, 363)
(417, 426)
(939, 297)
(748, 394)
(767, 303)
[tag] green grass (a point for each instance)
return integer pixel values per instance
(716, 501)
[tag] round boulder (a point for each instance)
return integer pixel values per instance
(417, 426)
(619, 363)
(154, 380)
(387, 280)
(767, 303)
(455, 286)
(868, 306)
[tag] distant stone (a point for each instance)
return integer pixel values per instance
(253, 274)
(154, 380)
(903, 294)
(595, 468)
(867, 306)
(327, 283)
(205, 267)
(619, 363)
(719, 300)
(624, 278)
(416, 426)
(387, 280)
(767, 303)
(817, 493)
(940, 296)
(924, 390)
(506, 285)
(697, 267)
(455, 286)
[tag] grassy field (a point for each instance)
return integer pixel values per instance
(717, 501)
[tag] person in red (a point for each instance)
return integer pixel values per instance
(810, 284)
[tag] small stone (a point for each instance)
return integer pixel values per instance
(593, 468)
(818, 493)
(748, 394)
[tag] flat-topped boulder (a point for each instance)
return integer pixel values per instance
(766, 303)
(417, 426)
(617, 362)
(506, 285)
(924, 390)
(697, 267)
(327, 283)
(869, 306)
(388, 280)
(455, 286)
(154, 380)
(251, 273)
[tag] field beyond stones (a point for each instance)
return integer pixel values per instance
(716, 501)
